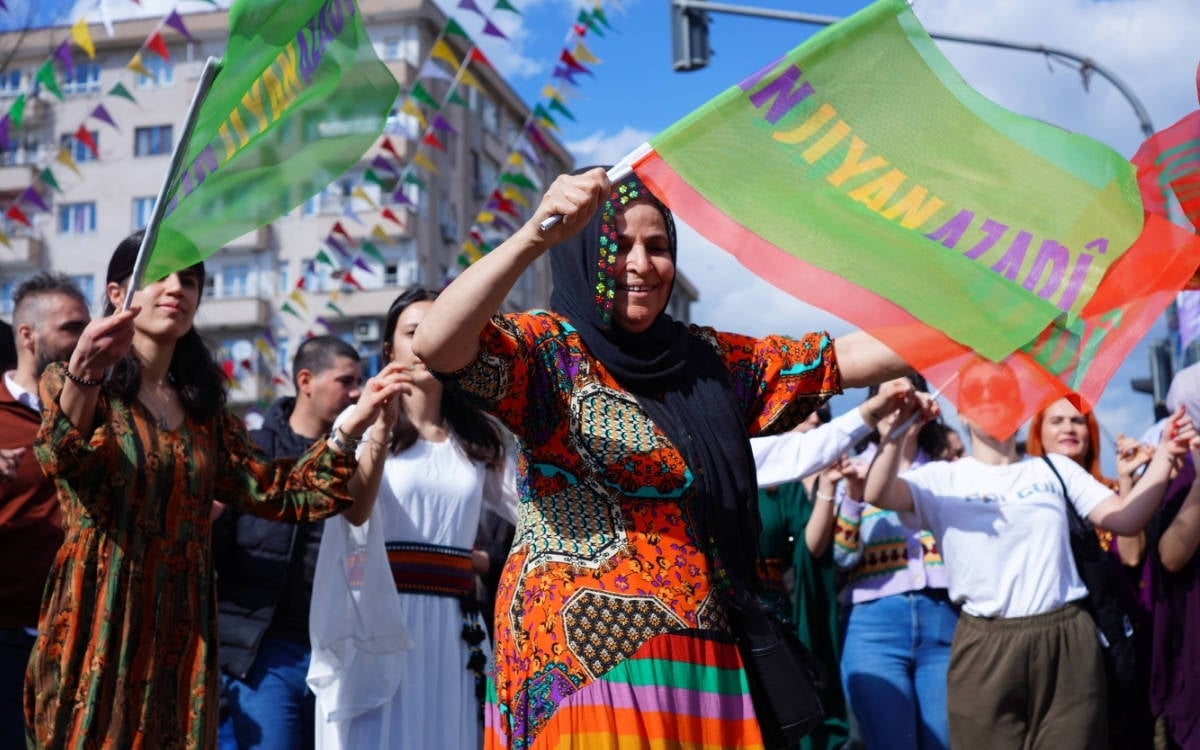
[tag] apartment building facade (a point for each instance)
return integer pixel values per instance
(268, 285)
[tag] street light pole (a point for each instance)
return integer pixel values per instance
(691, 13)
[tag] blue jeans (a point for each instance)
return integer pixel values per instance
(894, 662)
(272, 709)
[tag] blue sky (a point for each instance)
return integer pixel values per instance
(635, 93)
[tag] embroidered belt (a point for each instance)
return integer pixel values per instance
(431, 569)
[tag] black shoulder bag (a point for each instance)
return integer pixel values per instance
(786, 679)
(1101, 575)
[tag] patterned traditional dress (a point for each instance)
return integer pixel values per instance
(126, 655)
(608, 632)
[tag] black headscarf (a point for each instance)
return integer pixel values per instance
(680, 381)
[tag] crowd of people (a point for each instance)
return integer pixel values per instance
(560, 529)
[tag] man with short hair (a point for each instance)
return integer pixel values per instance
(265, 568)
(49, 313)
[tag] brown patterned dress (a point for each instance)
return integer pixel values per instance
(126, 655)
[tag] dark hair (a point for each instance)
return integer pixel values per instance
(42, 285)
(193, 371)
(318, 354)
(932, 436)
(476, 431)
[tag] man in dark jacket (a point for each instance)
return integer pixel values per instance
(49, 313)
(265, 569)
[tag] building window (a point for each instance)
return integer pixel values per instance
(162, 73)
(210, 286)
(318, 277)
(79, 151)
(77, 218)
(152, 141)
(284, 276)
(10, 83)
(7, 289)
(236, 281)
(86, 283)
(83, 80)
(489, 115)
(142, 208)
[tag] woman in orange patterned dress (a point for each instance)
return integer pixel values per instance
(137, 438)
(638, 528)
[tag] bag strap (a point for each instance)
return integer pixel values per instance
(1078, 527)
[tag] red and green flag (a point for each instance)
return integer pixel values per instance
(860, 173)
(299, 97)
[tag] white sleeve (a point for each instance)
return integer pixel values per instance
(792, 455)
(1083, 490)
(500, 489)
(356, 621)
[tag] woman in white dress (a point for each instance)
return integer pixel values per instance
(408, 670)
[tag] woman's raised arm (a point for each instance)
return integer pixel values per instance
(448, 338)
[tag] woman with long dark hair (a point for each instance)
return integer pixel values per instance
(426, 470)
(639, 531)
(138, 440)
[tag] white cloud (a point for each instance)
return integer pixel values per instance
(604, 148)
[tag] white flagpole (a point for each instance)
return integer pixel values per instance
(211, 66)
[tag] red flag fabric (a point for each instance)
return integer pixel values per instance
(338, 228)
(432, 140)
(84, 136)
(155, 44)
(15, 213)
(476, 55)
(387, 214)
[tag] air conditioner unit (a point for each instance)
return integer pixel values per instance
(366, 329)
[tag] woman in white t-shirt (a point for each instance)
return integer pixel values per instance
(1025, 665)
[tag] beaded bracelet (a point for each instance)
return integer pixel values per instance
(824, 497)
(83, 382)
(344, 437)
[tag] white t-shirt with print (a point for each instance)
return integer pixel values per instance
(1003, 531)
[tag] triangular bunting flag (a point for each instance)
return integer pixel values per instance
(419, 93)
(557, 106)
(412, 179)
(15, 213)
(4, 240)
(349, 212)
(17, 111)
(175, 21)
(388, 146)
(492, 29)
(339, 229)
(348, 278)
(5, 143)
(453, 29)
(543, 116)
(478, 56)
(101, 114)
(84, 136)
(471, 6)
(45, 78)
(64, 157)
(335, 308)
(387, 214)
(515, 178)
(337, 246)
(298, 297)
(598, 14)
(422, 161)
(359, 192)
(515, 196)
(47, 179)
(409, 107)
(323, 257)
(120, 90)
(569, 60)
(372, 252)
(370, 176)
(31, 196)
(360, 263)
(83, 38)
(381, 163)
(467, 78)
(583, 54)
(155, 44)
(505, 5)
(63, 55)
(137, 66)
(287, 308)
(440, 123)
(399, 197)
(378, 233)
(454, 98)
(441, 51)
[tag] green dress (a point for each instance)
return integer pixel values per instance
(785, 511)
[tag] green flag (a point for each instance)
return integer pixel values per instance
(47, 178)
(372, 252)
(120, 90)
(16, 113)
(299, 98)
(45, 77)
